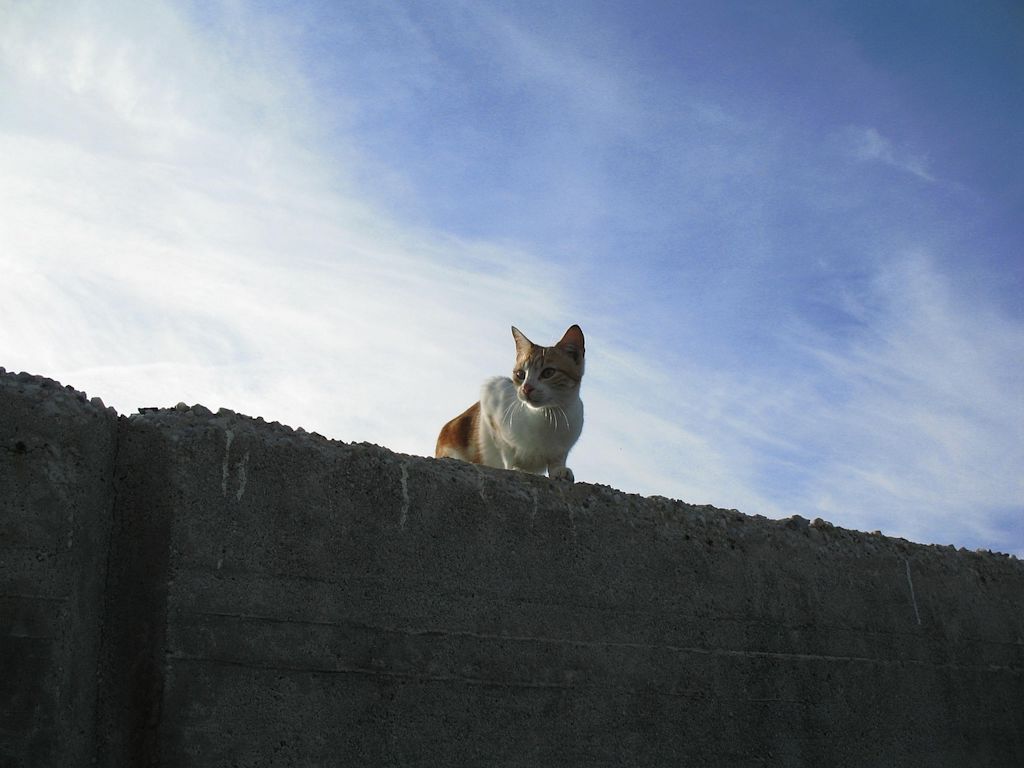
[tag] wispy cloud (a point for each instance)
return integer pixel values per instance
(869, 146)
(209, 259)
(910, 425)
(913, 420)
(932, 406)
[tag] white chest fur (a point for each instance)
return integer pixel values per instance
(514, 435)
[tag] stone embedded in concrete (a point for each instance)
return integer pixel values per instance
(282, 599)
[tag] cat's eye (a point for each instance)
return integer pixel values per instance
(520, 374)
(547, 373)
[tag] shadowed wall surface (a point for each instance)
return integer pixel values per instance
(187, 588)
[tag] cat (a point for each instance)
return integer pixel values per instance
(528, 422)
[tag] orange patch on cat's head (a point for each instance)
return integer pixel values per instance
(523, 344)
(572, 343)
(567, 354)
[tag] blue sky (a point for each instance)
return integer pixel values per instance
(791, 231)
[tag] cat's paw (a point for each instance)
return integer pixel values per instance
(562, 473)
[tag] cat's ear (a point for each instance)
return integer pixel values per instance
(572, 342)
(523, 344)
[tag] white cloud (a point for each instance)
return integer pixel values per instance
(925, 433)
(258, 286)
(218, 263)
(912, 426)
(868, 145)
(585, 85)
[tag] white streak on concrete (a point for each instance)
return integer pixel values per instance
(229, 436)
(241, 468)
(405, 498)
(481, 485)
(913, 598)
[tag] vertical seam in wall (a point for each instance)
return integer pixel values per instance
(131, 666)
(103, 638)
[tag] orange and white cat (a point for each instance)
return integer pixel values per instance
(528, 422)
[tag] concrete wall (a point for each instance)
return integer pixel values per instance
(57, 455)
(182, 588)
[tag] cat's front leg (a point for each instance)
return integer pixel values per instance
(558, 471)
(508, 458)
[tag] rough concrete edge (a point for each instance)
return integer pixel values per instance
(654, 508)
(646, 506)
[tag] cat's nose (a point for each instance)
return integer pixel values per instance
(527, 389)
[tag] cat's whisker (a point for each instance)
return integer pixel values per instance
(552, 415)
(510, 413)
